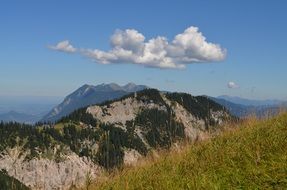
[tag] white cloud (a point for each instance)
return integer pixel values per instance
(232, 85)
(191, 46)
(129, 39)
(64, 46)
(130, 46)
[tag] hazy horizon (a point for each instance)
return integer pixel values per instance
(52, 99)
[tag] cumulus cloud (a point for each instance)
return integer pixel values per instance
(130, 46)
(64, 46)
(232, 85)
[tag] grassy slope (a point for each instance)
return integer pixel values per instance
(10, 183)
(253, 156)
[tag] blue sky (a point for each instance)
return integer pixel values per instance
(252, 32)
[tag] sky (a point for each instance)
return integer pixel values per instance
(237, 48)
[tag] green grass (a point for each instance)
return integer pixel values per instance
(250, 156)
(60, 126)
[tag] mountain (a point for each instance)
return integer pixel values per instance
(19, 117)
(97, 138)
(235, 109)
(249, 102)
(89, 95)
(131, 87)
(256, 107)
(146, 120)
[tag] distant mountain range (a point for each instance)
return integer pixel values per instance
(89, 95)
(242, 107)
(27, 109)
(28, 104)
(249, 102)
(20, 117)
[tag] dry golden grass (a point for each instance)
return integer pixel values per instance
(251, 154)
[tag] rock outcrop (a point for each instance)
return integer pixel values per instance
(43, 173)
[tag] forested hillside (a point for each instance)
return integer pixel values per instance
(105, 136)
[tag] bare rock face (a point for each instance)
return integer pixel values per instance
(42, 173)
(61, 168)
(192, 125)
(131, 157)
(121, 111)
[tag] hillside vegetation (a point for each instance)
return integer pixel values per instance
(250, 155)
(104, 137)
(7, 182)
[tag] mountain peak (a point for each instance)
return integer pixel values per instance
(130, 84)
(88, 95)
(132, 87)
(114, 86)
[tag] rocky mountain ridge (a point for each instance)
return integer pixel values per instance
(88, 95)
(104, 136)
